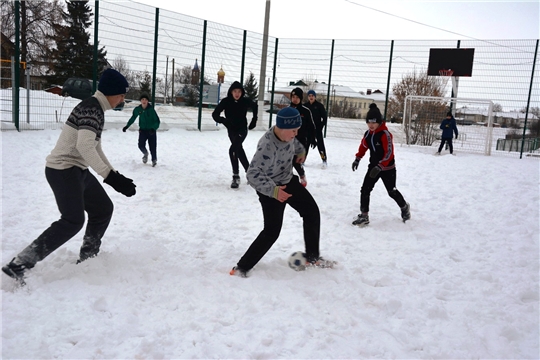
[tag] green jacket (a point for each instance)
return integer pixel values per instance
(148, 118)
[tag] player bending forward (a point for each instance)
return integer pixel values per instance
(270, 174)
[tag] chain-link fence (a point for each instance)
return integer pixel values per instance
(346, 73)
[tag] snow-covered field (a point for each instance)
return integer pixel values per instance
(460, 280)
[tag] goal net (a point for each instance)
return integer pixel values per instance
(422, 117)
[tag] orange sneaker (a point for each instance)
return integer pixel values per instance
(238, 272)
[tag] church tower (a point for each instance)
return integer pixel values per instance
(221, 75)
(195, 74)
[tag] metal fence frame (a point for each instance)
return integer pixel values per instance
(504, 71)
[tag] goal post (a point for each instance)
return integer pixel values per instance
(422, 116)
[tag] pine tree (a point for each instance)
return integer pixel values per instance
(73, 56)
(145, 83)
(251, 88)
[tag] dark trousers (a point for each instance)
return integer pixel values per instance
(236, 151)
(300, 167)
(76, 191)
(273, 210)
(320, 145)
(389, 180)
(151, 137)
(449, 142)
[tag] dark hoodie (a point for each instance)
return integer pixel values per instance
(235, 110)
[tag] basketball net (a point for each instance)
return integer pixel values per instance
(446, 74)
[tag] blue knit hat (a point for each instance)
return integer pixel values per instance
(112, 83)
(312, 92)
(288, 118)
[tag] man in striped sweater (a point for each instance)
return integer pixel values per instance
(75, 188)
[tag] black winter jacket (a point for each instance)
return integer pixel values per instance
(235, 110)
(306, 133)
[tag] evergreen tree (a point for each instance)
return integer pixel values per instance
(73, 56)
(250, 86)
(145, 83)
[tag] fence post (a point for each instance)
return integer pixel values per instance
(201, 86)
(154, 70)
(529, 99)
(388, 81)
(16, 64)
(329, 83)
(243, 59)
(96, 33)
(273, 86)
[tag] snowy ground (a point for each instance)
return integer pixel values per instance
(460, 280)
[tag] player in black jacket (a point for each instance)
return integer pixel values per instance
(320, 119)
(236, 106)
(306, 133)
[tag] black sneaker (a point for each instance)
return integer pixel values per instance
(89, 249)
(154, 163)
(238, 271)
(15, 269)
(235, 181)
(361, 220)
(406, 212)
(145, 158)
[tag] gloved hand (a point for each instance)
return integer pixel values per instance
(313, 142)
(374, 172)
(222, 120)
(124, 128)
(252, 124)
(120, 183)
(152, 131)
(456, 137)
(355, 164)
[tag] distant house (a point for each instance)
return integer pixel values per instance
(7, 51)
(500, 118)
(338, 95)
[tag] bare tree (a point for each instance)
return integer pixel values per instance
(36, 29)
(425, 115)
(497, 107)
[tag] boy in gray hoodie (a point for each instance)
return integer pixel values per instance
(270, 173)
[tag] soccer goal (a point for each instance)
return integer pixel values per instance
(422, 116)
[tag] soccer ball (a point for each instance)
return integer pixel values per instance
(297, 261)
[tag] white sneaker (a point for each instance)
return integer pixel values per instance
(324, 165)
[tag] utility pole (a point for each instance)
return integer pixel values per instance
(262, 76)
(166, 75)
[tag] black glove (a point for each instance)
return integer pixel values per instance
(120, 183)
(152, 131)
(252, 124)
(456, 137)
(124, 128)
(374, 172)
(221, 120)
(355, 164)
(313, 142)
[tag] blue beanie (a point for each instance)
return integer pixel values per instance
(112, 82)
(312, 92)
(288, 118)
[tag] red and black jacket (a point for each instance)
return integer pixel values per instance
(381, 148)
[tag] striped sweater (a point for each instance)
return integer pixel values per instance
(79, 143)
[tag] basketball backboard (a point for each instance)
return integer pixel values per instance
(460, 61)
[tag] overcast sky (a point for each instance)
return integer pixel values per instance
(377, 20)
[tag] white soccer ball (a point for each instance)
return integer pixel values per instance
(297, 261)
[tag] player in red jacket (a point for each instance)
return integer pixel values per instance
(381, 165)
